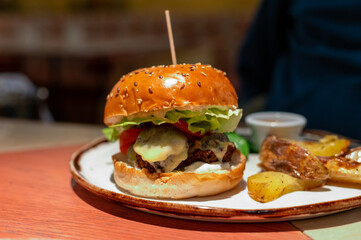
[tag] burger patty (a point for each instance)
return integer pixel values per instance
(144, 164)
(207, 156)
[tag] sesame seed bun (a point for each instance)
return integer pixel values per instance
(163, 88)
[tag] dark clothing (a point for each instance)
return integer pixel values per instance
(306, 55)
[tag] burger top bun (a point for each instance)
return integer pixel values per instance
(181, 86)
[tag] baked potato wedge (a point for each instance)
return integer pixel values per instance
(268, 186)
(282, 155)
(326, 159)
(328, 146)
(345, 168)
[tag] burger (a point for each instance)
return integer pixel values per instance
(175, 126)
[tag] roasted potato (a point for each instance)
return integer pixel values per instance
(268, 186)
(282, 155)
(346, 168)
(328, 146)
(326, 159)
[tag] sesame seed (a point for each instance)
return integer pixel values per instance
(135, 84)
(160, 76)
(183, 86)
(137, 90)
(121, 105)
(116, 95)
(204, 74)
(150, 90)
(172, 102)
(203, 67)
(139, 101)
(151, 72)
(126, 95)
(224, 73)
(199, 83)
(136, 72)
(198, 63)
(111, 94)
(130, 74)
(118, 89)
(183, 74)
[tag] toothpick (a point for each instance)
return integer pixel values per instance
(170, 36)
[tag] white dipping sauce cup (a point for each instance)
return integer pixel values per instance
(280, 124)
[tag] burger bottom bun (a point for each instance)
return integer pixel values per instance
(177, 185)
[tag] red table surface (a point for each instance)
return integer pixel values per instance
(39, 199)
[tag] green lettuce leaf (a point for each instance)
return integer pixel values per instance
(240, 142)
(211, 119)
(111, 134)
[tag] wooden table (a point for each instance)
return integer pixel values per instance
(40, 200)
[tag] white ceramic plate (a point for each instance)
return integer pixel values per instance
(92, 167)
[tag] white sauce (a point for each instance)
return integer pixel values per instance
(201, 167)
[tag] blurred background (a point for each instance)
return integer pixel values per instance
(59, 58)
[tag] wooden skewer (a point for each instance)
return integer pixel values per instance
(170, 36)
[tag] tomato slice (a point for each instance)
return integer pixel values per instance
(128, 138)
(183, 126)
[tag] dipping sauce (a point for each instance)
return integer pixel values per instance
(281, 124)
(272, 120)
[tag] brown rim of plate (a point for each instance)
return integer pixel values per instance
(202, 212)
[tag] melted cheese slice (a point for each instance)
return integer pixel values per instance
(174, 160)
(159, 144)
(219, 151)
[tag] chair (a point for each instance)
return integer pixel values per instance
(20, 98)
